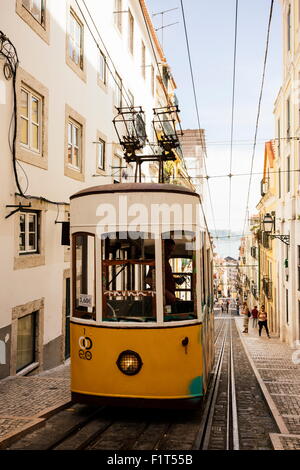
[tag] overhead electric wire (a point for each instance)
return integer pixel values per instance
(121, 88)
(232, 111)
(197, 109)
(161, 77)
(259, 108)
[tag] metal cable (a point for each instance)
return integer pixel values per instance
(258, 110)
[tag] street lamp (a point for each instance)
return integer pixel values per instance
(268, 223)
(268, 226)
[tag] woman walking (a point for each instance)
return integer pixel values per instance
(246, 314)
(263, 321)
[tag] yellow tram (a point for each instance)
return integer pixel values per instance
(142, 322)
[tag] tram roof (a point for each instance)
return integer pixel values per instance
(135, 187)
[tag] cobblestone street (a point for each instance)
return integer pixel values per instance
(26, 401)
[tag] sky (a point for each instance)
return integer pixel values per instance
(210, 26)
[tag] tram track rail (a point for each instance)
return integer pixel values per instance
(203, 438)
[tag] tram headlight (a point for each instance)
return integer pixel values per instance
(129, 362)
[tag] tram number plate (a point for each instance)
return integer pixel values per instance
(85, 300)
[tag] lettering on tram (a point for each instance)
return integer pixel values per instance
(85, 344)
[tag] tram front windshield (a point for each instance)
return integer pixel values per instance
(128, 277)
(179, 265)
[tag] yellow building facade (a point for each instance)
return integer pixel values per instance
(267, 259)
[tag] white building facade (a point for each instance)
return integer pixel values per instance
(287, 221)
(78, 61)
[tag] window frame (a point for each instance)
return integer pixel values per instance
(131, 34)
(27, 251)
(31, 94)
(102, 69)
(34, 338)
(288, 174)
(41, 29)
(101, 144)
(24, 153)
(42, 10)
(112, 263)
(143, 59)
(194, 282)
(72, 40)
(289, 28)
(116, 156)
(71, 116)
(74, 278)
(75, 125)
(118, 91)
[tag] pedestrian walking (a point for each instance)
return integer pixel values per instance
(247, 314)
(254, 317)
(263, 321)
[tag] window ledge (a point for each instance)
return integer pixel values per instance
(28, 261)
(28, 369)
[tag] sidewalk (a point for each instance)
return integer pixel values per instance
(279, 378)
(26, 401)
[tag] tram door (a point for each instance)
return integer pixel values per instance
(67, 318)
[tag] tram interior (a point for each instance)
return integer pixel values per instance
(129, 281)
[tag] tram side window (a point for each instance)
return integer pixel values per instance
(179, 268)
(84, 276)
(128, 277)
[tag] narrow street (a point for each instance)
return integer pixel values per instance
(150, 226)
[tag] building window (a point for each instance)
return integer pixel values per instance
(74, 145)
(143, 60)
(116, 169)
(118, 91)
(36, 15)
(74, 157)
(76, 40)
(288, 175)
(101, 154)
(298, 267)
(288, 118)
(118, 14)
(287, 304)
(36, 8)
(130, 31)
(289, 29)
(28, 233)
(31, 120)
(26, 341)
(152, 80)
(278, 138)
(102, 67)
(279, 183)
